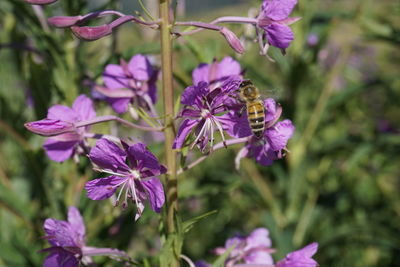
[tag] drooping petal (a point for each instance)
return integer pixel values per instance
(184, 130)
(83, 106)
(140, 68)
(155, 193)
(63, 113)
(59, 150)
(201, 73)
(260, 153)
(109, 156)
(279, 135)
(279, 35)
(270, 109)
(119, 105)
(102, 188)
(76, 221)
(59, 233)
(228, 67)
(278, 9)
(59, 257)
(114, 77)
(300, 258)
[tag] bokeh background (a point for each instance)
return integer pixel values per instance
(339, 83)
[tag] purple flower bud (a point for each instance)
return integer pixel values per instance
(50, 127)
(312, 40)
(64, 21)
(233, 40)
(91, 33)
(40, 2)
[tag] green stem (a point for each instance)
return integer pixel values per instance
(169, 131)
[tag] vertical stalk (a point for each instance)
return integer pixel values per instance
(169, 132)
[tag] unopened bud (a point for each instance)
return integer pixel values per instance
(40, 2)
(63, 21)
(233, 40)
(91, 33)
(48, 127)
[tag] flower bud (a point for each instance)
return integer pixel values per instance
(233, 40)
(49, 127)
(63, 21)
(91, 33)
(40, 2)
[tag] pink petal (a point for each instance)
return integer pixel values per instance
(102, 188)
(107, 155)
(114, 77)
(76, 221)
(140, 68)
(59, 151)
(63, 113)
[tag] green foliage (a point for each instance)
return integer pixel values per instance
(338, 185)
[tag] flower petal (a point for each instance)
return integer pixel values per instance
(259, 237)
(59, 257)
(191, 93)
(279, 35)
(261, 153)
(259, 257)
(107, 155)
(145, 159)
(83, 107)
(186, 127)
(278, 9)
(102, 188)
(236, 126)
(59, 233)
(279, 135)
(114, 77)
(300, 258)
(228, 67)
(201, 73)
(119, 105)
(59, 150)
(140, 68)
(76, 221)
(155, 193)
(63, 113)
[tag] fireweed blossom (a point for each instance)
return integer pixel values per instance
(130, 83)
(217, 72)
(274, 20)
(253, 249)
(67, 240)
(273, 143)
(204, 112)
(66, 140)
(133, 169)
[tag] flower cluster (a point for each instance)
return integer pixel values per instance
(255, 250)
(211, 105)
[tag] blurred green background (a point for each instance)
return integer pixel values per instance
(338, 186)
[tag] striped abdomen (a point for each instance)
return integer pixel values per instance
(255, 114)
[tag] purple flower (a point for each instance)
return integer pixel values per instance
(133, 169)
(60, 124)
(300, 258)
(216, 72)
(132, 82)
(253, 249)
(274, 20)
(203, 111)
(67, 240)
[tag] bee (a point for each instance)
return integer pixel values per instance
(250, 95)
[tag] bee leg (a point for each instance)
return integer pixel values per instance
(240, 112)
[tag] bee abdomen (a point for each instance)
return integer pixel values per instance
(255, 112)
